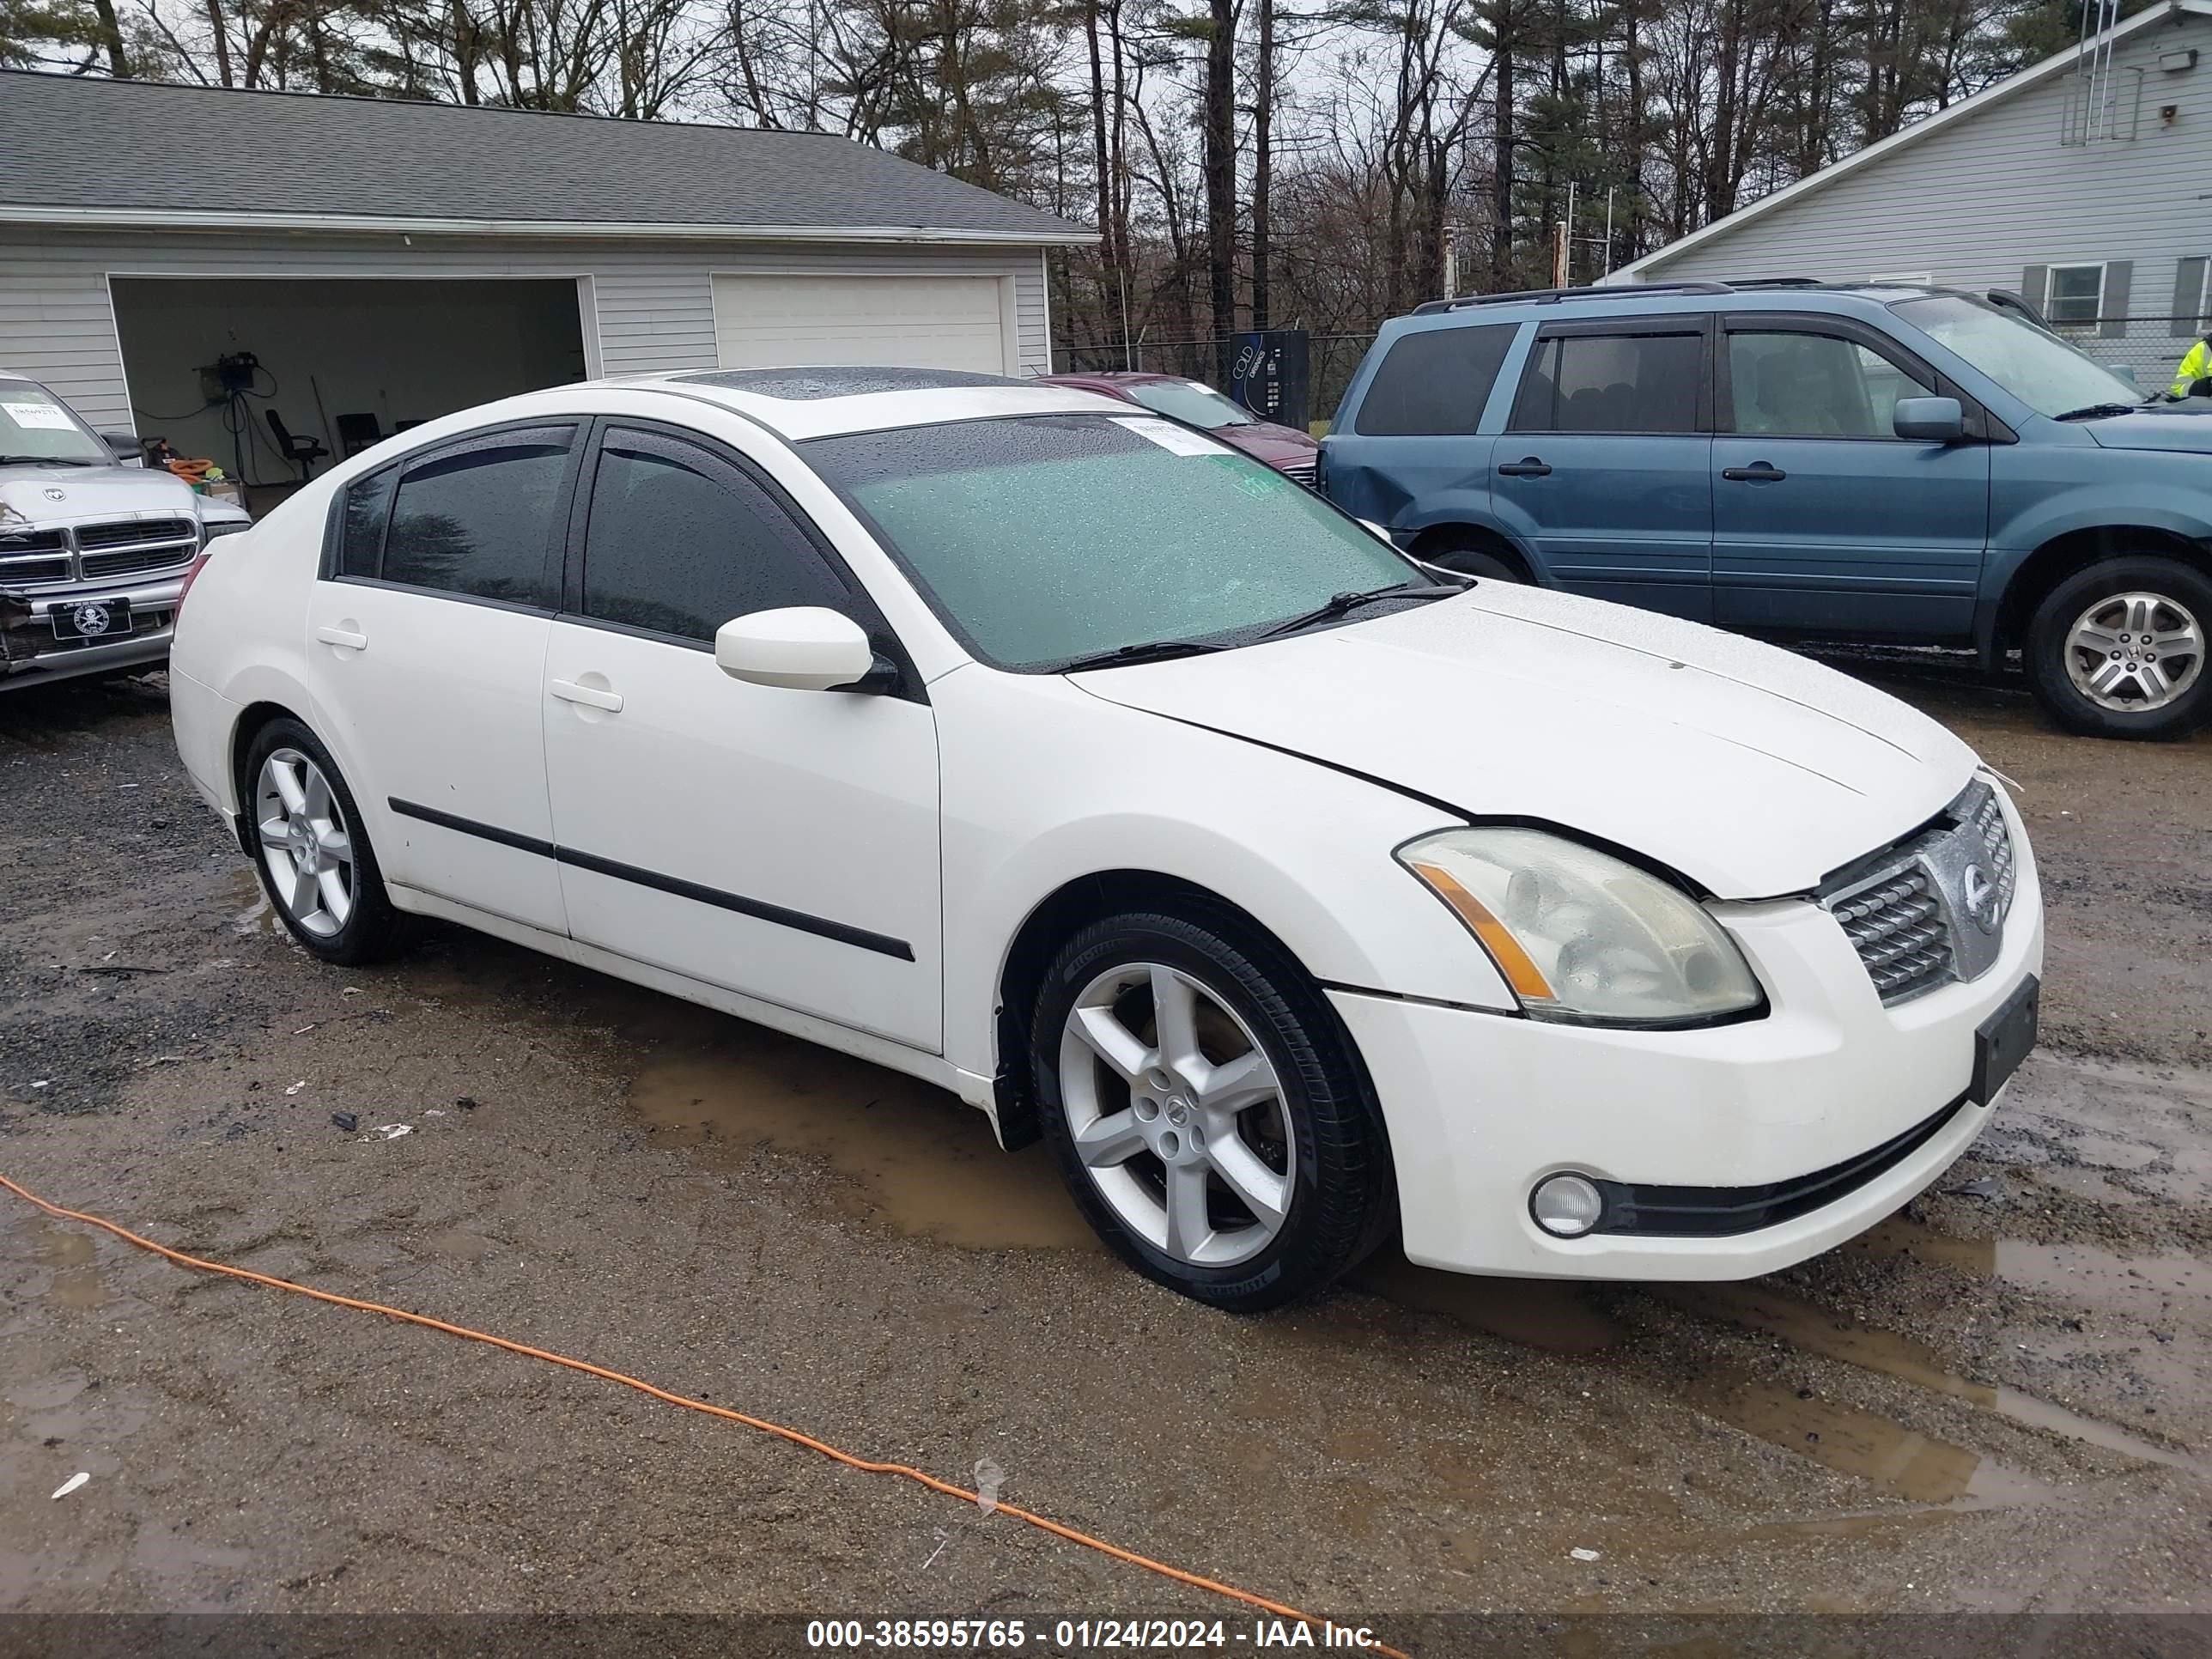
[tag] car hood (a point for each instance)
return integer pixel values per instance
(48, 494)
(1753, 772)
(2186, 425)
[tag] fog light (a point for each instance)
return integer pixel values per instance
(1566, 1206)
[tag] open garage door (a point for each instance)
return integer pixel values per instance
(904, 322)
(340, 361)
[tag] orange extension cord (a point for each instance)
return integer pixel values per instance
(761, 1424)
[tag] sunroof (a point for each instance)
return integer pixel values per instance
(804, 385)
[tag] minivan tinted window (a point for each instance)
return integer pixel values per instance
(1435, 382)
(680, 541)
(1645, 383)
(479, 520)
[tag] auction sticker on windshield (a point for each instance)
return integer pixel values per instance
(1170, 436)
(43, 414)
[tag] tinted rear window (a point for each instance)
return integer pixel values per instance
(480, 521)
(1642, 383)
(1434, 383)
(361, 526)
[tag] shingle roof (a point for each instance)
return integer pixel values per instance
(132, 149)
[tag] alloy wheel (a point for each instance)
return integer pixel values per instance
(2134, 652)
(304, 844)
(1177, 1115)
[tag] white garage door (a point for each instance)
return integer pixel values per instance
(906, 322)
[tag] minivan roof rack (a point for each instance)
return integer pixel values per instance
(1777, 282)
(1548, 296)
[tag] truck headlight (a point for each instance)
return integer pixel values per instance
(1582, 937)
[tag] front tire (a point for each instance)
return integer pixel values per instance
(2117, 650)
(1210, 1116)
(312, 848)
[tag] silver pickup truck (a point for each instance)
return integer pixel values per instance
(93, 546)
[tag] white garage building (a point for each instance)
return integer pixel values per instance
(182, 261)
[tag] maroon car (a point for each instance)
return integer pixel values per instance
(1285, 448)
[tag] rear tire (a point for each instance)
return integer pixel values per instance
(1210, 1115)
(2117, 650)
(311, 847)
(1473, 558)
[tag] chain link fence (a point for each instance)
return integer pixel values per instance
(2145, 350)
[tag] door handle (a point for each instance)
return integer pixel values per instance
(345, 637)
(1528, 467)
(1756, 472)
(589, 696)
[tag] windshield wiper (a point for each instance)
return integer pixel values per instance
(1143, 651)
(45, 461)
(1343, 604)
(2097, 412)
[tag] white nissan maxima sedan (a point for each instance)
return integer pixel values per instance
(1066, 758)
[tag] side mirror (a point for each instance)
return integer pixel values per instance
(1929, 420)
(125, 446)
(803, 648)
(1379, 531)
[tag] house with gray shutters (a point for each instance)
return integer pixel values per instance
(187, 261)
(2083, 183)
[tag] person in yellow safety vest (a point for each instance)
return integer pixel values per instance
(2195, 373)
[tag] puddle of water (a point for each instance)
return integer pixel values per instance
(456, 1244)
(923, 1161)
(1856, 1442)
(2162, 1288)
(73, 1282)
(1553, 1314)
(1817, 1330)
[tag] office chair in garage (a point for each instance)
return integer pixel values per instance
(302, 452)
(357, 432)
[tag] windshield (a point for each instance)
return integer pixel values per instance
(2034, 365)
(1046, 538)
(37, 426)
(1201, 406)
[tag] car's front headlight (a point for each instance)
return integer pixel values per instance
(211, 528)
(1582, 937)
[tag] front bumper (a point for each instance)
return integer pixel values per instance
(30, 654)
(1481, 1106)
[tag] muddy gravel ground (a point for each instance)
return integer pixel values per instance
(1997, 1403)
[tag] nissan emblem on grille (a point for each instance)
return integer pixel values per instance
(1932, 910)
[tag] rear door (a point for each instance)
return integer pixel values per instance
(1604, 469)
(1410, 457)
(426, 646)
(1824, 520)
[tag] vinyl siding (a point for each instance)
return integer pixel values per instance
(1977, 203)
(652, 305)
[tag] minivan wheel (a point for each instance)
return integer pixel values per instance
(1210, 1116)
(2117, 650)
(1470, 560)
(312, 848)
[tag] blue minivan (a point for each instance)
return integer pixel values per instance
(1803, 459)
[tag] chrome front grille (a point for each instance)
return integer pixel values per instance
(1300, 471)
(124, 562)
(1989, 823)
(1932, 910)
(1901, 934)
(35, 556)
(107, 551)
